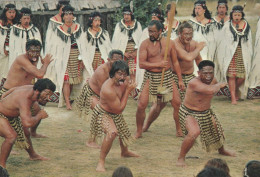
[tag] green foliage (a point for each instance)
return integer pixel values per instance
(142, 10)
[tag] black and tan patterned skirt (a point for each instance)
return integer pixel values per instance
(211, 138)
(18, 127)
(130, 47)
(155, 81)
(100, 124)
(236, 67)
(185, 78)
(97, 61)
(83, 101)
(74, 70)
(2, 91)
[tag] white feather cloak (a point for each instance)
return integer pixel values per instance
(3, 58)
(60, 49)
(17, 42)
(103, 42)
(226, 49)
(121, 35)
(254, 76)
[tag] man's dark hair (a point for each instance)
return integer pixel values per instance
(67, 8)
(183, 25)
(43, 84)
(206, 63)
(115, 51)
(224, 2)
(25, 10)
(122, 171)
(211, 172)
(62, 3)
(119, 65)
(159, 14)
(218, 163)
(3, 15)
(91, 18)
(158, 24)
(252, 169)
(237, 8)
(207, 12)
(33, 42)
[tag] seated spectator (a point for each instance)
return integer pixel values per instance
(122, 171)
(220, 164)
(252, 169)
(211, 172)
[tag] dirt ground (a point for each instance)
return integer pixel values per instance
(159, 148)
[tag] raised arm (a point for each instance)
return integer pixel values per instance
(206, 89)
(32, 69)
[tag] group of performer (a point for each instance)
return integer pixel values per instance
(133, 63)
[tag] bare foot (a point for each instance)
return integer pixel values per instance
(181, 163)
(129, 154)
(36, 135)
(14, 152)
(92, 144)
(68, 107)
(225, 152)
(100, 167)
(138, 135)
(145, 129)
(38, 157)
(234, 102)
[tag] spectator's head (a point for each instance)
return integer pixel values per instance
(45, 87)
(237, 14)
(157, 14)
(222, 7)
(218, 163)
(200, 9)
(25, 17)
(94, 20)
(122, 172)
(128, 14)
(211, 172)
(206, 71)
(155, 29)
(115, 55)
(252, 169)
(67, 14)
(9, 13)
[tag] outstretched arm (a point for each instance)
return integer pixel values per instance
(207, 89)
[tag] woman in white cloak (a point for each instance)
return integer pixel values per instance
(69, 52)
(235, 54)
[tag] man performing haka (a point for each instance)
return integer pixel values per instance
(16, 118)
(187, 51)
(196, 116)
(24, 70)
(151, 59)
(90, 93)
(108, 112)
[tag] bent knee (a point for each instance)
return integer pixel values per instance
(142, 105)
(193, 134)
(11, 137)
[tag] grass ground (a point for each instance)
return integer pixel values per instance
(158, 148)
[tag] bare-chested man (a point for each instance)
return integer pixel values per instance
(151, 59)
(90, 93)
(113, 98)
(24, 70)
(196, 116)
(187, 51)
(16, 118)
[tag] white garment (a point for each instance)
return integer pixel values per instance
(254, 77)
(227, 48)
(102, 40)
(3, 58)
(60, 49)
(121, 35)
(18, 39)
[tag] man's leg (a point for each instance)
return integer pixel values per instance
(193, 129)
(176, 103)
(239, 82)
(10, 135)
(140, 113)
(33, 155)
(125, 152)
(66, 93)
(111, 133)
(153, 114)
(36, 109)
(232, 89)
